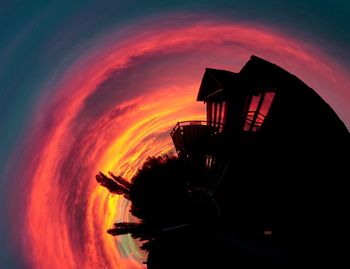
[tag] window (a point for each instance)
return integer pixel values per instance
(216, 114)
(258, 109)
(209, 161)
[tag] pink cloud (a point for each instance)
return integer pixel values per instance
(67, 213)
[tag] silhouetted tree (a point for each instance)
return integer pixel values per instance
(159, 191)
(158, 194)
(115, 184)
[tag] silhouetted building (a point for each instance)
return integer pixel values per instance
(262, 104)
(273, 156)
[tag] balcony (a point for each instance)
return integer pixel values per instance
(191, 137)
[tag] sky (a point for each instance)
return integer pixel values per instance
(96, 86)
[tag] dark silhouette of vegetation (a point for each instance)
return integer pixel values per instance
(159, 197)
(114, 184)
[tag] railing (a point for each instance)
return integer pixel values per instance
(191, 135)
(218, 127)
(183, 136)
(253, 121)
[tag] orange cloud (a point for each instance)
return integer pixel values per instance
(67, 213)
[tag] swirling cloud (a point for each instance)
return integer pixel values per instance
(114, 107)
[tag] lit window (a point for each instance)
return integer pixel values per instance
(267, 232)
(209, 161)
(216, 114)
(209, 105)
(258, 110)
(213, 114)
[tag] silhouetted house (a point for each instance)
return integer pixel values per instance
(262, 102)
(273, 153)
(261, 109)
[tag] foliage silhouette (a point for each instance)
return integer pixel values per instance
(159, 197)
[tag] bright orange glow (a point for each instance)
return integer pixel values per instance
(66, 212)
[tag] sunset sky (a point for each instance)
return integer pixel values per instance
(97, 86)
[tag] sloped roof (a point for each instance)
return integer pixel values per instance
(297, 102)
(215, 80)
(257, 73)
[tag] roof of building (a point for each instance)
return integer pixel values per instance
(257, 73)
(296, 106)
(215, 80)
